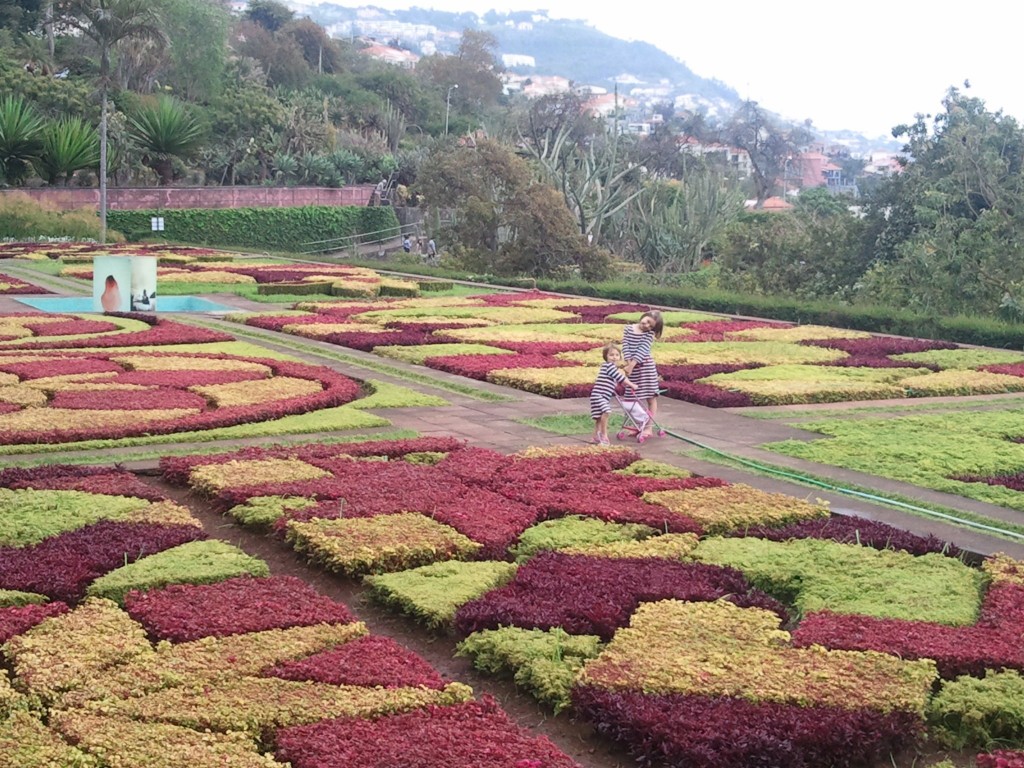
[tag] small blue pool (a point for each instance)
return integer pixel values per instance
(164, 304)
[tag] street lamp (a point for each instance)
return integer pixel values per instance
(785, 175)
(448, 106)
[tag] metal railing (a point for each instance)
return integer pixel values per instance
(362, 242)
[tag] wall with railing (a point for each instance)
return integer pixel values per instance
(136, 198)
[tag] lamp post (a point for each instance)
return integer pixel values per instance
(448, 106)
(785, 175)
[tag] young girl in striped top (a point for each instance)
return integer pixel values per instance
(636, 349)
(604, 387)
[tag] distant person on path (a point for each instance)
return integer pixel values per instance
(431, 250)
(604, 387)
(407, 244)
(636, 349)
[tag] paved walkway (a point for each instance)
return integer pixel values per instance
(498, 426)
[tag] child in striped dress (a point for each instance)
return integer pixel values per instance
(604, 387)
(636, 350)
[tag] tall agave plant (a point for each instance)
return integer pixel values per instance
(68, 145)
(20, 138)
(165, 129)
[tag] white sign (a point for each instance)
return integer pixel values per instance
(157, 223)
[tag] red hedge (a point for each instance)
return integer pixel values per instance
(475, 734)
(183, 612)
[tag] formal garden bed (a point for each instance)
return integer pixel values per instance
(550, 345)
(13, 286)
(131, 638)
(663, 608)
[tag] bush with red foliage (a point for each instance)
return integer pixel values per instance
(705, 732)
(695, 371)
(1008, 369)
(474, 734)
(368, 661)
(474, 465)
(70, 327)
(62, 567)
(127, 400)
(1014, 482)
(478, 366)
(367, 340)
(65, 364)
(587, 595)
(719, 330)
(866, 361)
(160, 333)
(706, 395)
(184, 612)
(849, 529)
(1001, 758)
(71, 477)
(880, 346)
(992, 643)
(18, 619)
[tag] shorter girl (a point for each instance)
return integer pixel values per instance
(604, 388)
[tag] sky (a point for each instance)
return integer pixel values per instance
(866, 65)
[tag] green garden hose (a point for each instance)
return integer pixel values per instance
(851, 492)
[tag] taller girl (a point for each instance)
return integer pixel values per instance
(636, 351)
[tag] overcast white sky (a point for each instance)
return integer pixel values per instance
(866, 65)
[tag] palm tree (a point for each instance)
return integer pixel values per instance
(68, 145)
(106, 23)
(20, 138)
(165, 129)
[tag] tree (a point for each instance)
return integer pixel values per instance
(673, 222)
(68, 145)
(768, 144)
(583, 159)
(473, 68)
(165, 129)
(269, 14)
(502, 220)
(20, 138)
(948, 232)
(107, 23)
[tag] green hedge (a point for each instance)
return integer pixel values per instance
(277, 229)
(308, 288)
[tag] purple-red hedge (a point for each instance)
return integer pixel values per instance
(1014, 482)
(992, 643)
(707, 732)
(368, 661)
(694, 371)
(18, 619)
(880, 346)
(849, 529)
(68, 477)
(183, 612)
(1001, 758)
(478, 366)
(474, 734)
(587, 595)
(706, 395)
(127, 400)
(62, 567)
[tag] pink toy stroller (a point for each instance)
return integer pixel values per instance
(636, 418)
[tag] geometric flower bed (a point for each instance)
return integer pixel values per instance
(24, 331)
(820, 649)
(975, 454)
(550, 345)
(255, 663)
(179, 268)
(11, 286)
(118, 394)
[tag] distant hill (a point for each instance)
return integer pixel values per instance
(566, 48)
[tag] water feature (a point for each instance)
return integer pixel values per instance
(164, 304)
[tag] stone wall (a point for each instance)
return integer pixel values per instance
(119, 198)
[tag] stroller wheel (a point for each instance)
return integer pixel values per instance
(661, 433)
(620, 436)
(641, 438)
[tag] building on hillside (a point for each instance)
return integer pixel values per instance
(771, 205)
(389, 55)
(735, 158)
(511, 60)
(883, 164)
(812, 169)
